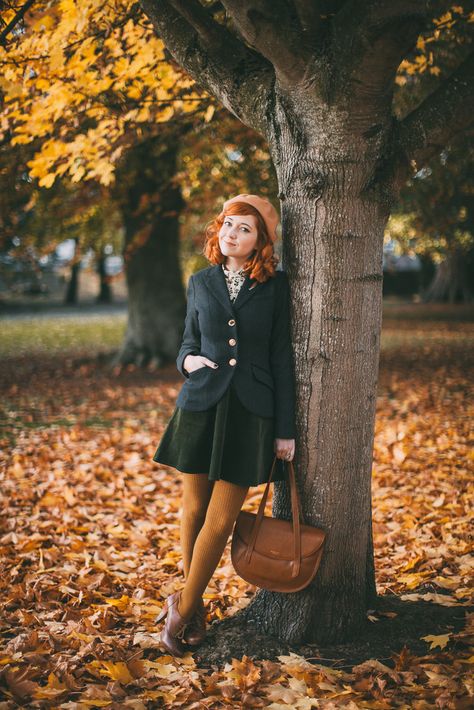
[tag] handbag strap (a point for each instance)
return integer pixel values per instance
(296, 513)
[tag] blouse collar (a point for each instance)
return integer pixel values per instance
(240, 271)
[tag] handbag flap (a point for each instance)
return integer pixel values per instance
(275, 536)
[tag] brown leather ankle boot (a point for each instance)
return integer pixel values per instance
(195, 631)
(172, 635)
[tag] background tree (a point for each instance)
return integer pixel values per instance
(433, 213)
(437, 219)
(88, 87)
(34, 220)
(318, 82)
(113, 130)
(218, 158)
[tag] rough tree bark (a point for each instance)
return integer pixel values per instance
(151, 205)
(319, 86)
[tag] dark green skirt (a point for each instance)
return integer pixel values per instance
(227, 442)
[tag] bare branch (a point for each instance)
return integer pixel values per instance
(14, 21)
(282, 42)
(442, 115)
(238, 77)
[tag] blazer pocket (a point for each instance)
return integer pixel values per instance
(198, 370)
(262, 375)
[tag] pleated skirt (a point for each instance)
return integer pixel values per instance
(227, 442)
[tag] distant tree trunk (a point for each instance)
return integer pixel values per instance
(105, 292)
(151, 205)
(72, 289)
(452, 281)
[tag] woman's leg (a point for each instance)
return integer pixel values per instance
(197, 489)
(224, 506)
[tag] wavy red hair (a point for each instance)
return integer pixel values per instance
(260, 266)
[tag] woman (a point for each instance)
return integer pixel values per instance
(235, 410)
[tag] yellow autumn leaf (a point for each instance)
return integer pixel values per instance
(50, 499)
(94, 702)
(21, 139)
(54, 687)
(209, 113)
(47, 181)
(437, 641)
(421, 43)
(78, 173)
(444, 18)
(411, 581)
(116, 671)
(412, 563)
(121, 603)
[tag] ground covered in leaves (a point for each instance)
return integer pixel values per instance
(89, 544)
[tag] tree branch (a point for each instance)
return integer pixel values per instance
(309, 13)
(282, 42)
(371, 38)
(209, 30)
(449, 110)
(219, 62)
(14, 21)
(313, 14)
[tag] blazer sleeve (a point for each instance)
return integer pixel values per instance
(281, 362)
(191, 343)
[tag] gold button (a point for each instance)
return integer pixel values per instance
(232, 321)
(232, 361)
(232, 341)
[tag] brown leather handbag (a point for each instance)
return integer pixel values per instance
(279, 555)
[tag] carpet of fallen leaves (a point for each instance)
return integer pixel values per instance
(89, 540)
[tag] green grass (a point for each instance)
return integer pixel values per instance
(413, 325)
(92, 334)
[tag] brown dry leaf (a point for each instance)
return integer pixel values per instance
(90, 542)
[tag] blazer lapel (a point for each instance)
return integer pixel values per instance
(217, 285)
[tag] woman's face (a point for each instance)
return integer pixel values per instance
(238, 235)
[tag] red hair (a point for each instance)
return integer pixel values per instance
(261, 265)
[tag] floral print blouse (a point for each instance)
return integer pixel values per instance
(234, 280)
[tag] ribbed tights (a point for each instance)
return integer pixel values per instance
(210, 509)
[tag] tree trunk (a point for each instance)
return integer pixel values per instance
(452, 280)
(151, 205)
(105, 292)
(72, 289)
(335, 210)
(320, 87)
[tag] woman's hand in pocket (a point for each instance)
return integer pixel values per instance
(195, 362)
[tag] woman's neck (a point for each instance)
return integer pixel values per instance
(233, 264)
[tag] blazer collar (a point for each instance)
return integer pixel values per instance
(217, 285)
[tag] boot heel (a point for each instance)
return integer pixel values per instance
(171, 637)
(162, 613)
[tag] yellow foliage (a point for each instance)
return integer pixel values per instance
(86, 82)
(424, 59)
(437, 641)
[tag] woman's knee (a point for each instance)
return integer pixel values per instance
(194, 510)
(218, 526)
(196, 495)
(224, 506)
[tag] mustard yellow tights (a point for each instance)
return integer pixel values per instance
(209, 511)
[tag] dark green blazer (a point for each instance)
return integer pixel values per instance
(250, 341)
